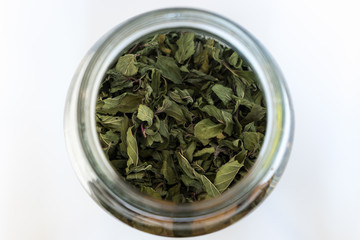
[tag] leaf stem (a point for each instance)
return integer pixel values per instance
(133, 48)
(143, 130)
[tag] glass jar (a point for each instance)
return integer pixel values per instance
(157, 216)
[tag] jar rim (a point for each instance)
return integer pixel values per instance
(90, 162)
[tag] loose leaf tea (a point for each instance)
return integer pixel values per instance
(181, 117)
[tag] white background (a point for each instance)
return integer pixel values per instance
(315, 42)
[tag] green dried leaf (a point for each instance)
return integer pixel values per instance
(109, 121)
(213, 50)
(109, 105)
(184, 68)
(150, 139)
(206, 129)
(239, 87)
(257, 113)
(155, 82)
(252, 140)
(210, 188)
(124, 125)
(222, 116)
(235, 60)
(173, 193)
(247, 77)
(185, 47)
(190, 151)
(185, 166)
(201, 57)
(145, 114)
(173, 110)
(109, 141)
(181, 96)
(135, 176)
(204, 151)
(241, 156)
(149, 46)
(226, 174)
(118, 81)
(150, 191)
(161, 40)
(191, 173)
(233, 145)
(126, 65)
(168, 168)
(190, 182)
(141, 168)
(163, 128)
(132, 149)
(126, 103)
(225, 94)
(169, 69)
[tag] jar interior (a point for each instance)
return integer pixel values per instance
(205, 35)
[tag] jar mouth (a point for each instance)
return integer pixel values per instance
(81, 126)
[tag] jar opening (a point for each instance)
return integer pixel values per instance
(219, 71)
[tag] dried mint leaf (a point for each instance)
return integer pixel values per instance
(206, 129)
(132, 150)
(186, 47)
(226, 174)
(169, 69)
(224, 93)
(145, 114)
(126, 65)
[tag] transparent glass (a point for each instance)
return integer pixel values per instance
(162, 217)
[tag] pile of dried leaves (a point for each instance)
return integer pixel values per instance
(181, 117)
